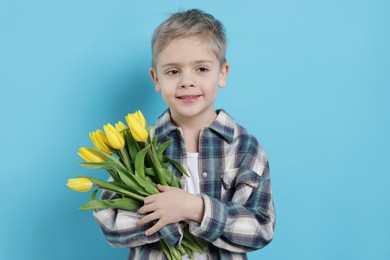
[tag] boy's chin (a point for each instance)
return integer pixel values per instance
(195, 114)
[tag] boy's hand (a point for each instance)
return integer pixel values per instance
(170, 206)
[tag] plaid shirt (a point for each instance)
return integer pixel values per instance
(235, 185)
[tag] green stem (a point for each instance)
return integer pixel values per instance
(114, 175)
(122, 192)
(157, 166)
(125, 159)
(166, 250)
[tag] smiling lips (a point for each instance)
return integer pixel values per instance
(188, 98)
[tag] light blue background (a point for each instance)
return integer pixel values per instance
(309, 78)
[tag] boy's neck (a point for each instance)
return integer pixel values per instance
(191, 128)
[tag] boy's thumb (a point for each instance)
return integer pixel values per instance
(163, 187)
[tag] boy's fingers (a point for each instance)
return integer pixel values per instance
(155, 228)
(148, 218)
(149, 199)
(147, 208)
(164, 187)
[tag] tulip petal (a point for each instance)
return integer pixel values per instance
(99, 140)
(141, 118)
(138, 131)
(115, 139)
(90, 156)
(120, 126)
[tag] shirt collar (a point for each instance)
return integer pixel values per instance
(223, 125)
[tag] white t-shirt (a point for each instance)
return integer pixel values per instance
(192, 186)
(192, 183)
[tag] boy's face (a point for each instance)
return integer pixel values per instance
(188, 75)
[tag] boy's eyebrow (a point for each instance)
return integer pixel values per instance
(176, 64)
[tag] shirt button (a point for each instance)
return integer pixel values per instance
(204, 174)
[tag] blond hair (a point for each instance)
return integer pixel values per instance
(193, 22)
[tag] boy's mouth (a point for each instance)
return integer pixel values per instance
(188, 98)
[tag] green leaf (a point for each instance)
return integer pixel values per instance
(121, 203)
(140, 162)
(171, 179)
(114, 174)
(161, 149)
(154, 143)
(104, 154)
(147, 186)
(134, 189)
(123, 174)
(117, 188)
(136, 181)
(132, 145)
(177, 164)
(125, 159)
(117, 165)
(109, 166)
(150, 172)
(93, 194)
(150, 180)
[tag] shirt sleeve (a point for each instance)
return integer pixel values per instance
(246, 221)
(121, 229)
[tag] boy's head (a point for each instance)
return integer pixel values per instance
(189, 65)
(189, 23)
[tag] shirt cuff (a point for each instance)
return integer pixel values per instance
(172, 234)
(214, 220)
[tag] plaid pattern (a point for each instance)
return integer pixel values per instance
(235, 185)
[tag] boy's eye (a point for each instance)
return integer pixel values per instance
(172, 72)
(203, 69)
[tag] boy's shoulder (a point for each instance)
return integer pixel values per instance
(241, 141)
(234, 131)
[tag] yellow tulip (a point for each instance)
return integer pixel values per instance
(115, 139)
(79, 184)
(90, 156)
(120, 126)
(137, 124)
(141, 118)
(99, 139)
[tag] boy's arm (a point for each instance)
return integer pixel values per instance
(246, 222)
(121, 228)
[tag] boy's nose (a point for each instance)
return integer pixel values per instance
(187, 85)
(187, 81)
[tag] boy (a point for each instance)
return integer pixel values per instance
(227, 201)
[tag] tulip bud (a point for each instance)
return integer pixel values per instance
(99, 139)
(137, 124)
(120, 126)
(90, 156)
(79, 184)
(141, 118)
(115, 139)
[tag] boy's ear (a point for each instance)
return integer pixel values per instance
(223, 75)
(153, 75)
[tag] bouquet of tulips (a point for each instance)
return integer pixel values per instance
(136, 164)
